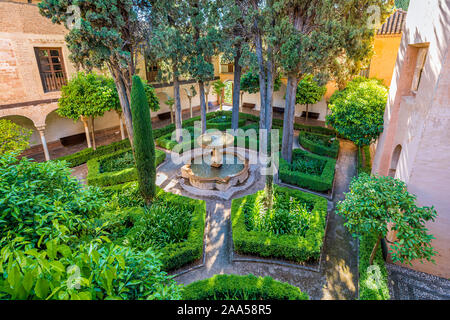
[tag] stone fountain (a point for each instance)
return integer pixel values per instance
(216, 168)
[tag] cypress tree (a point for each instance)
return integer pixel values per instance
(144, 145)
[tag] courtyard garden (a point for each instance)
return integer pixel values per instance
(306, 221)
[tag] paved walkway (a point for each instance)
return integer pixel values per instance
(407, 284)
(336, 280)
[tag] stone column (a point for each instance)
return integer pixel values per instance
(86, 130)
(41, 131)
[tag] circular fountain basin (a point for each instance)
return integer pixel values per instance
(200, 173)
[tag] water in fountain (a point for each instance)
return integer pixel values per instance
(232, 165)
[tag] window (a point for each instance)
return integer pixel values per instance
(51, 68)
(227, 68)
(151, 71)
(421, 58)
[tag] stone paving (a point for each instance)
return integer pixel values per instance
(336, 280)
(407, 284)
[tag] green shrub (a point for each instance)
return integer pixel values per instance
(41, 201)
(98, 178)
(293, 247)
(89, 271)
(79, 158)
(320, 183)
(366, 244)
(234, 287)
(323, 145)
(126, 204)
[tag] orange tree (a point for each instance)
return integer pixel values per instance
(374, 203)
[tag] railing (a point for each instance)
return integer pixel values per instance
(53, 81)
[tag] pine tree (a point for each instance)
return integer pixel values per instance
(144, 145)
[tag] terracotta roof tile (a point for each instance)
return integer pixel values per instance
(394, 24)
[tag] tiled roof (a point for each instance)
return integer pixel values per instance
(394, 24)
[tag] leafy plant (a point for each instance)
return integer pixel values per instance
(91, 271)
(42, 201)
(160, 224)
(309, 92)
(13, 137)
(357, 112)
(308, 165)
(375, 202)
(289, 215)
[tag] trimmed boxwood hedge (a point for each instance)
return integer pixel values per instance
(289, 247)
(317, 148)
(322, 183)
(96, 178)
(176, 255)
(223, 126)
(79, 158)
(250, 287)
(366, 245)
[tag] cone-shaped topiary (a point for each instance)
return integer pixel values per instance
(144, 145)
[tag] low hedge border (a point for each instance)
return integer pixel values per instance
(96, 178)
(176, 255)
(366, 292)
(250, 287)
(288, 247)
(322, 183)
(318, 148)
(223, 126)
(79, 158)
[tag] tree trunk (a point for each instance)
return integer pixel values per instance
(374, 251)
(242, 101)
(126, 106)
(190, 106)
(236, 90)
(201, 87)
(262, 82)
(122, 129)
(178, 112)
(207, 102)
(289, 114)
(94, 144)
(86, 130)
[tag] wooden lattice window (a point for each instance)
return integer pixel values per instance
(152, 71)
(51, 68)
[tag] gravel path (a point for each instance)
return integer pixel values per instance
(407, 284)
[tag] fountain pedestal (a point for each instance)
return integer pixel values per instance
(223, 171)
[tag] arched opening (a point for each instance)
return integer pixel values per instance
(27, 124)
(228, 93)
(394, 161)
